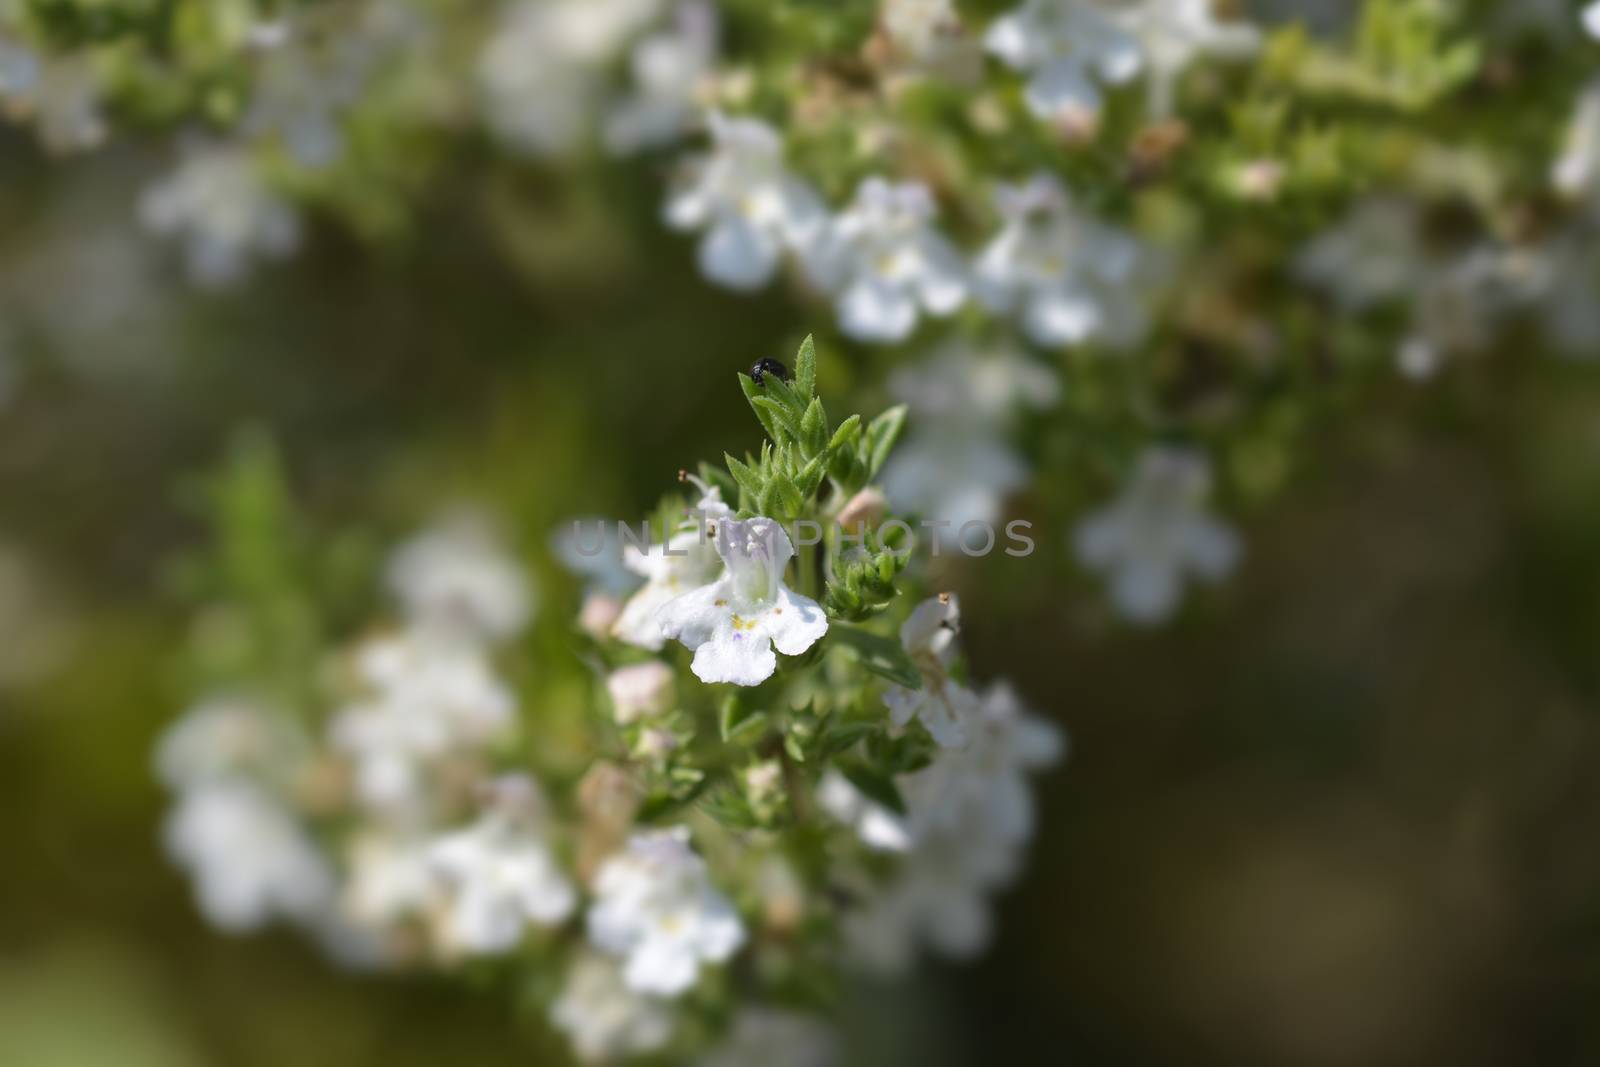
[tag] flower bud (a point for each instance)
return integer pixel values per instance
(641, 691)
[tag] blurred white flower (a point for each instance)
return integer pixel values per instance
(458, 574)
(1591, 20)
(429, 694)
(226, 737)
(749, 207)
(877, 826)
(641, 691)
(391, 878)
(1576, 174)
(60, 96)
(774, 1038)
(542, 72)
(603, 1018)
(1372, 255)
(502, 874)
(669, 69)
(250, 859)
(1071, 278)
(886, 264)
(733, 624)
(656, 908)
(956, 465)
(590, 549)
(1157, 534)
(1172, 34)
(944, 706)
(216, 204)
(1065, 47)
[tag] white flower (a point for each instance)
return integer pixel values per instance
(588, 548)
(1071, 278)
(668, 71)
(542, 72)
(956, 465)
(224, 214)
(928, 637)
(502, 874)
(1591, 20)
(250, 860)
(224, 737)
(750, 208)
(656, 908)
(603, 1018)
(1065, 47)
(921, 29)
(458, 574)
(641, 691)
(886, 263)
(685, 561)
(1576, 174)
(1172, 34)
(878, 827)
(775, 1038)
(1157, 533)
(733, 623)
(431, 694)
(391, 878)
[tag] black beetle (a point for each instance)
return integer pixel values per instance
(764, 367)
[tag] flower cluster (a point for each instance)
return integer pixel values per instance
(792, 783)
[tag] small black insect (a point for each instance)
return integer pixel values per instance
(764, 367)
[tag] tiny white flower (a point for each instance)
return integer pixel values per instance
(685, 561)
(1157, 533)
(603, 1018)
(1591, 20)
(250, 859)
(669, 69)
(750, 208)
(656, 908)
(641, 691)
(458, 574)
(886, 263)
(1372, 255)
(391, 878)
(1069, 277)
(1172, 34)
(928, 637)
(776, 1038)
(733, 624)
(1065, 47)
(502, 874)
(223, 213)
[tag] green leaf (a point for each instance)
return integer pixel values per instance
(745, 475)
(782, 499)
(875, 785)
(881, 655)
(810, 477)
(847, 432)
(752, 393)
(814, 428)
(805, 369)
(781, 416)
(882, 433)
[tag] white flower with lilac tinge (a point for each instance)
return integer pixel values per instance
(603, 1018)
(656, 908)
(1070, 278)
(750, 208)
(1172, 34)
(1068, 48)
(734, 623)
(685, 562)
(776, 1038)
(216, 204)
(1157, 534)
(669, 69)
(458, 574)
(502, 874)
(886, 263)
(251, 861)
(942, 705)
